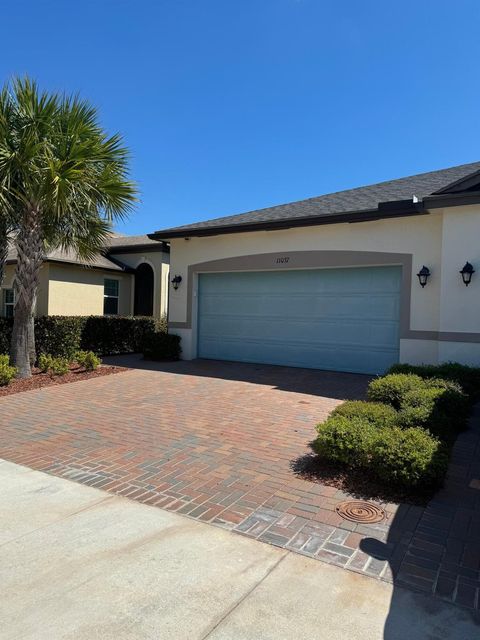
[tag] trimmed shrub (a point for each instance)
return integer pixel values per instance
(6, 325)
(439, 406)
(88, 360)
(377, 413)
(392, 388)
(7, 373)
(55, 366)
(113, 335)
(44, 362)
(467, 377)
(409, 458)
(63, 336)
(162, 346)
(59, 366)
(59, 336)
(347, 440)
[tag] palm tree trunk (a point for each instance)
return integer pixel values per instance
(29, 260)
(3, 250)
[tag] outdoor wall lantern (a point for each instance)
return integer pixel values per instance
(176, 280)
(423, 275)
(467, 273)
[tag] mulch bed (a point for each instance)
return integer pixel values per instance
(357, 483)
(39, 379)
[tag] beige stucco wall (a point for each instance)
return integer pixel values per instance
(42, 296)
(159, 261)
(443, 241)
(78, 291)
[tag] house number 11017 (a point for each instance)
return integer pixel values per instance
(282, 260)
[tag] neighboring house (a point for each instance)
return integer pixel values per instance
(131, 278)
(331, 282)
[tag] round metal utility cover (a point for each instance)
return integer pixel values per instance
(360, 511)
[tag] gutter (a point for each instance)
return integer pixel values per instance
(395, 209)
(384, 211)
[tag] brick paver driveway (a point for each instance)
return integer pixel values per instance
(215, 441)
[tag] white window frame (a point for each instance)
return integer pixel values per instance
(110, 297)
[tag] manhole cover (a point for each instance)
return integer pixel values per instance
(359, 511)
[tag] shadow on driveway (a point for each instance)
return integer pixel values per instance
(331, 384)
(436, 550)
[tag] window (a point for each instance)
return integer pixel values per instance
(8, 303)
(110, 297)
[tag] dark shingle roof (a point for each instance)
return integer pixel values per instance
(116, 244)
(117, 241)
(352, 200)
(70, 257)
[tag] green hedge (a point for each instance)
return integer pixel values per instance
(63, 336)
(162, 346)
(403, 435)
(408, 458)
(376, 413)
(467, 377)
(438, 405)
(112, 335)
(5, 334)
(59, 336)
(391, 389)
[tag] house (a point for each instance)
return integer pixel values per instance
(332, 282)
(129, 278)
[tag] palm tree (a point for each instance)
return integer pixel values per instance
(63, 181)
(3, 245)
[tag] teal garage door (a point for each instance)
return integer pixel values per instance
(337, 319)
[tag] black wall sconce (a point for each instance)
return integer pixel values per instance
(423, 275)
(176, 280)
(467, 273)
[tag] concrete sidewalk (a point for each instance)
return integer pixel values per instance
(78, 563)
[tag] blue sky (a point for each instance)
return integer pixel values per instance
(231, 105)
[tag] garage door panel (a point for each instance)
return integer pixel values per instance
(334, 332)
(341, 319)
(325, 356)
(312, 306)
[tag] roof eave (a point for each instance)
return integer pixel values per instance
(384, 211)
(139, 248)
(394, 209)
(122, 268)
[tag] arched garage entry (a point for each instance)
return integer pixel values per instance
(143, 301)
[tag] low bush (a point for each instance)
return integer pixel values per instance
(7, 373)
(59, 366)
(161, 346)
(349, 440)
(407, 458)
(403, 435)
(88, 360)
(54, 366)
(391, 389)
(44, 362)
(431, 403)
(467, 377)
(379, 414)
(438, 405)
